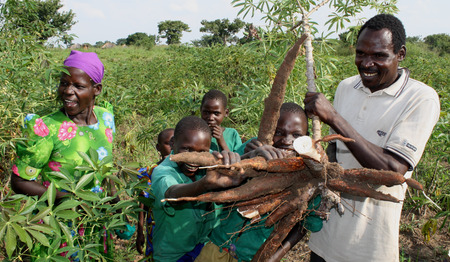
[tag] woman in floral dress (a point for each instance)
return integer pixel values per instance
(53, 141)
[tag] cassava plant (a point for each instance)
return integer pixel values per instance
(71, 225)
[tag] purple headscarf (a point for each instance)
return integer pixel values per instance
(88, 62)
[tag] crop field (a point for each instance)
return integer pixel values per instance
(151, 89)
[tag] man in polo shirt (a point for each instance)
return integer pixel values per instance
(390, 116)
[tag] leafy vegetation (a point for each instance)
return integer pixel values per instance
(153, 89)
(41, 19)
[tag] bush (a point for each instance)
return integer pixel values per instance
(439, 42)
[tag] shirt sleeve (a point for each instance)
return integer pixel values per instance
(412, 131)
(163, 178)
(34, 152)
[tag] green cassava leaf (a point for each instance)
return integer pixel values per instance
(87, 195)
(67, 214)
(69, 204)
(23, 235)
(10, 241)
(44, 212)
(39, 237)
(84, 180)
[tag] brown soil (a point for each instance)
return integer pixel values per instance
(412, 243)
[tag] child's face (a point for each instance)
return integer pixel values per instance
(289, 127)
(164, 146)
(191, 141)
(213, 112)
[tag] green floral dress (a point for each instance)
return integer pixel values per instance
(52, 143)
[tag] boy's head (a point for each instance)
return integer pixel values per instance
(291, 124)
(214, 107)
(192, 134)
(165, 142)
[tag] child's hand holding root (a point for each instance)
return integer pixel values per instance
(266, 151)
(215, 180)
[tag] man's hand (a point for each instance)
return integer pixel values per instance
(317, 104)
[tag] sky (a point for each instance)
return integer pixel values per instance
(109, 20)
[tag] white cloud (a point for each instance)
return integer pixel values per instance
(86, 10)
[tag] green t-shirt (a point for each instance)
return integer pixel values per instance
(232, 139)
(178, 228)
(53, 141)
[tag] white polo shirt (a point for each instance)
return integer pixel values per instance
(400, 119)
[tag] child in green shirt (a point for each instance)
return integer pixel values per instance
(227, 244)
(182, 228)
(213, 110)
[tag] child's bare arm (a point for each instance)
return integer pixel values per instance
(212, 180)
(140, 238)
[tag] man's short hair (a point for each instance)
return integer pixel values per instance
(391, 23)
(217, 95)
(191, 123)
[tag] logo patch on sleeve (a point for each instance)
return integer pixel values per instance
(413, 148)
(381, 133)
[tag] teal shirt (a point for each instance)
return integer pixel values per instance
(232, 139)
(226, 234)
(178, 228)
(247, 243)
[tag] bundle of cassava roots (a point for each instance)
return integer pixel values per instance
(282, 188)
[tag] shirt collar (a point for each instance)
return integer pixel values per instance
(393, 90)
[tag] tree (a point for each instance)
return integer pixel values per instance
(222, 30)
(349, 37)
(141, 39)
(121, 41)
(99, 44)
(172, 30)
(439, 42)
(40, 18)
(291, 18)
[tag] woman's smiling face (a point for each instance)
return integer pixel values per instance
(77, 91)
